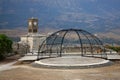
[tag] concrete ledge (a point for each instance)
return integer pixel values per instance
(71, 63)
(113, 57)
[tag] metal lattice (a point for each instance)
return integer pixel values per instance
(72, 42)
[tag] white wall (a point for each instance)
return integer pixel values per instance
(33, 41)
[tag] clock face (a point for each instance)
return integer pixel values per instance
(30, 23)
(35, 23)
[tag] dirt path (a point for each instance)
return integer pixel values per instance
(7, 66)
(25, 72)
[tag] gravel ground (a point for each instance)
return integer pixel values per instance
(26, 72)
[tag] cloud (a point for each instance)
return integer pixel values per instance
(11, 11)
(3, 23)
(18, 1)
(93, 0)
(6, 11)
(33, 10)
(1, 10)
(91, 20)
(78, 17)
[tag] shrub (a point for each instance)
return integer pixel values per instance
(5, 46)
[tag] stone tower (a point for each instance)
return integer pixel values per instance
(32, 25)
(33, 38)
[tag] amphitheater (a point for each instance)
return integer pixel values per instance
(71, 48)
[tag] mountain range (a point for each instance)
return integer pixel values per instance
(97, 16)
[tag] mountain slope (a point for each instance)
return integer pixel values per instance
(91, 15)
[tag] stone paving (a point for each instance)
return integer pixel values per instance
(31, 56)
(72, 62)
(68, 61)
(27, 58)
(113, 57)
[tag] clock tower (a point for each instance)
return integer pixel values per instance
(33, 39)
(33, 25)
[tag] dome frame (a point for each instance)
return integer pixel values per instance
(85, 44)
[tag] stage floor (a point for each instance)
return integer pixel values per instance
(71, 62)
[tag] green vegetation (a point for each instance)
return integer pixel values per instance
(115, 48)
(5, 46)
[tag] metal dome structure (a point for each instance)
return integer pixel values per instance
(71, 42)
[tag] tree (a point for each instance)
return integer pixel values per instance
(5, 46)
